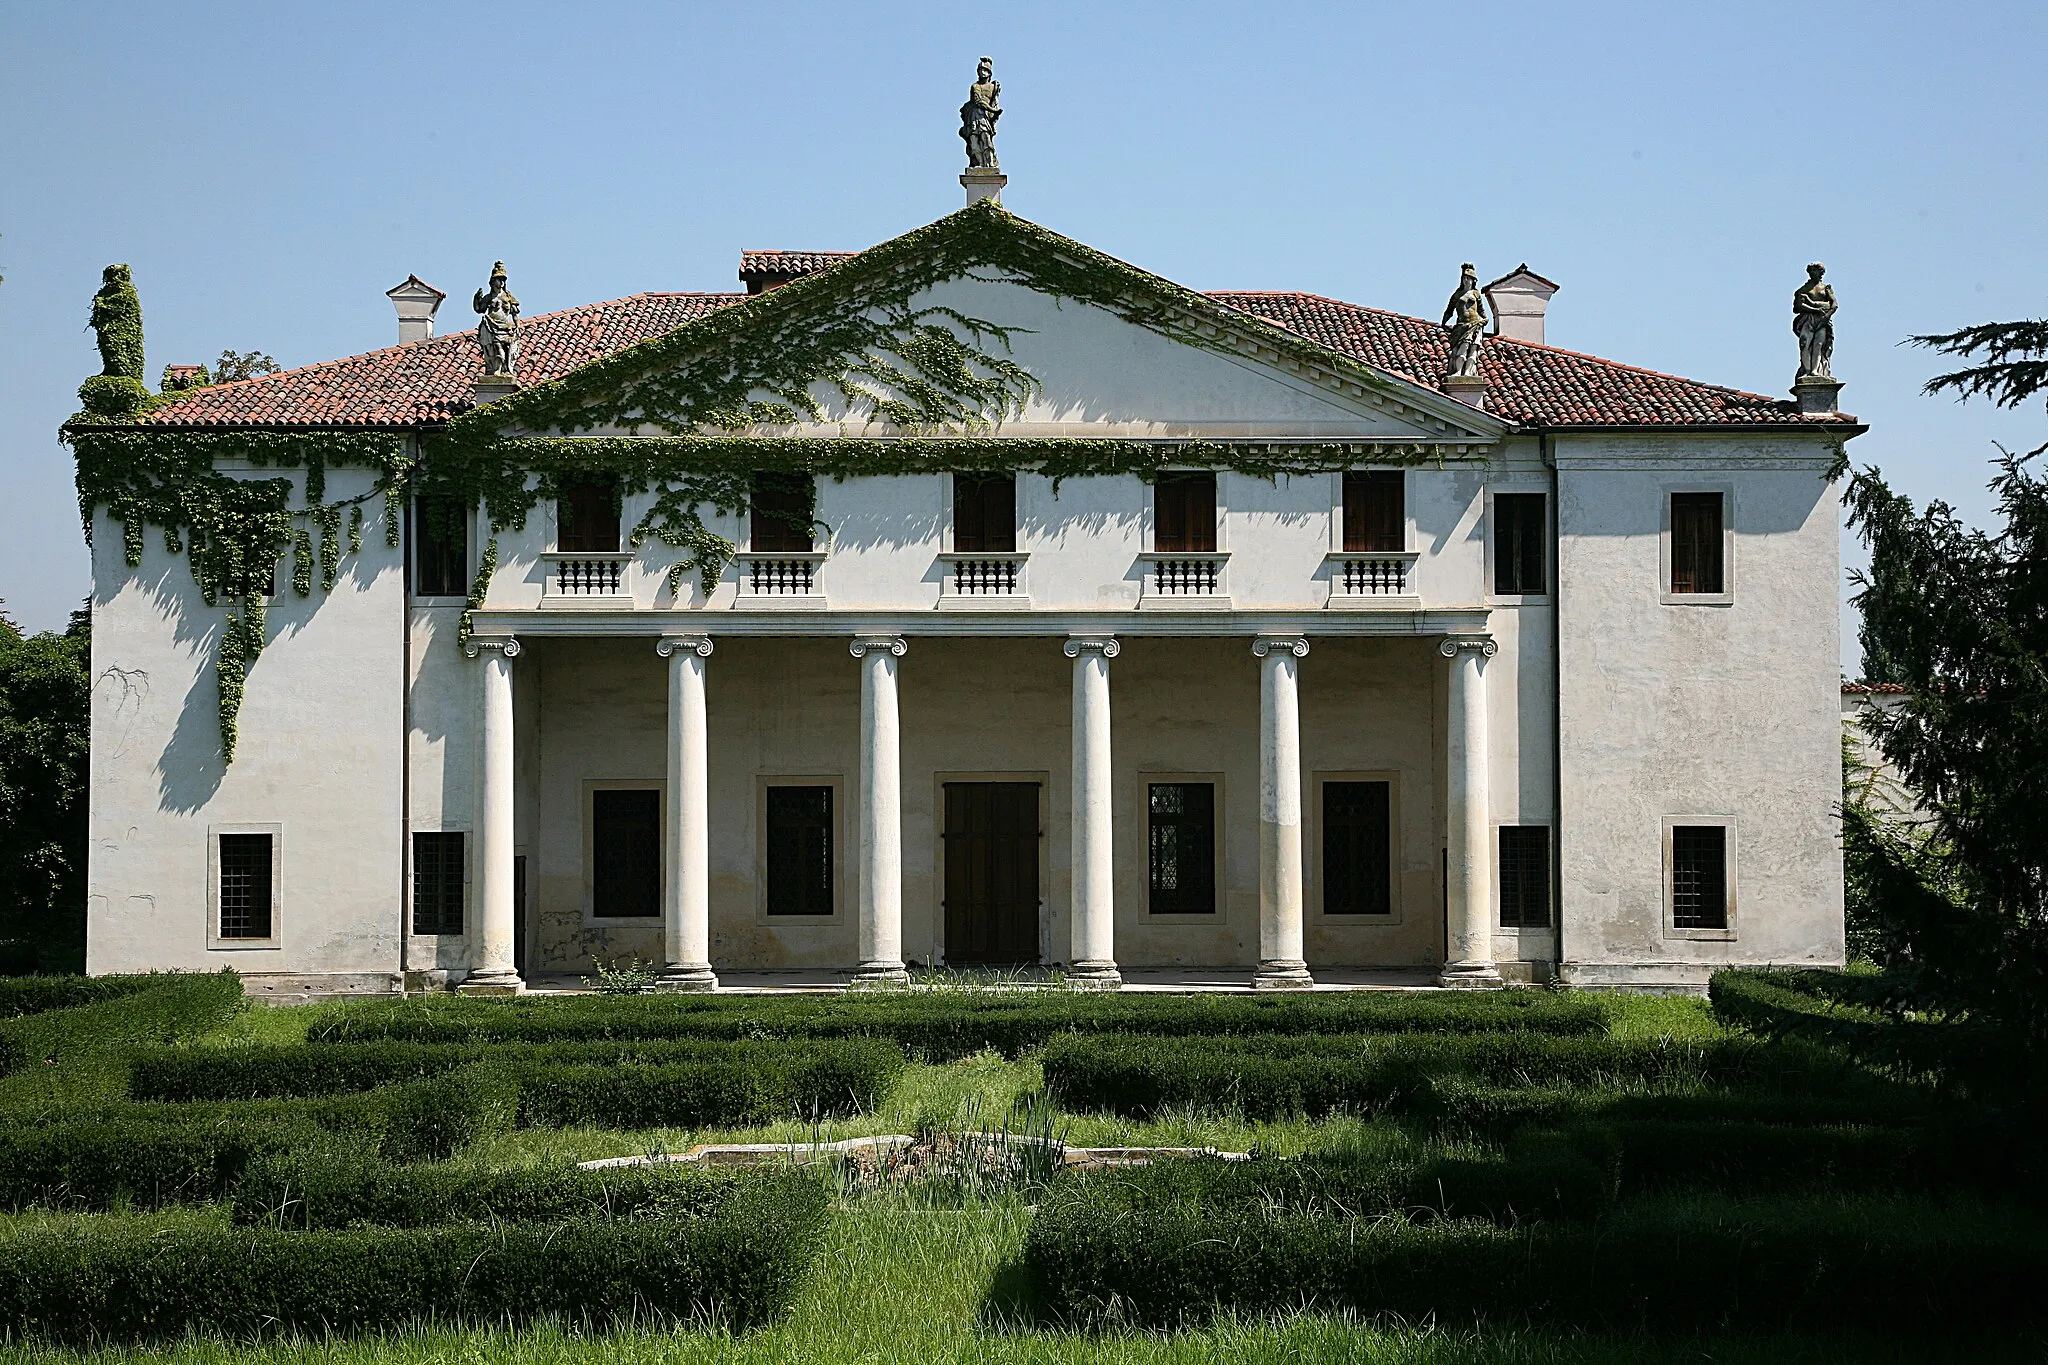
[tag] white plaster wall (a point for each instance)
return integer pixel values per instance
(318, 754)
(1673, 710)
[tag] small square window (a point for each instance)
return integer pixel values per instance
(1525, 876)
(587, 517)
(800, 853)
(438, 874)
(1520, 544)
(246, 885)
(1697, 567)
(1699, 876)
(1375, 511)
(1357, 843)
(782, 506)
(1182, 841)
(1184, 513)
(625, 853)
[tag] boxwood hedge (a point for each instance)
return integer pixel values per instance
(102, 1162)
(125, 1280)
(21, 995)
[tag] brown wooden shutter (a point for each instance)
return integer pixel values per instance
(1696, 526)
(1375, 511)
(984, 513)
(1184, 513)
(782, 506)
(587, 518)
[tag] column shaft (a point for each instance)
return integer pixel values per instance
(1468, 949)
(686, 905)
(492, 969)
(881, 812)
(1281, 963)
(1092, 955)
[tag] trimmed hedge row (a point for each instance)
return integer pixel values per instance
(342, 1190)
(77, 1057)
(128, 1281)
(1269, 1077)
(943, 1027)
(99, 1163)
(1660, 1155)
(1656, 1266)
(22, 995)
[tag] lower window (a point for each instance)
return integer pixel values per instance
(1357, 843)
(625, 853)
(1525, 876)
(246, 883)
(438, 875)
(1182, 840)
(1699, 876)
(800, 854)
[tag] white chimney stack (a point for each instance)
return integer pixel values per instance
(1519, 299)
(416, 302)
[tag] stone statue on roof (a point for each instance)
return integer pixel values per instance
(978, 117)
(497, 331)
(1465, 315)
(1813, 322)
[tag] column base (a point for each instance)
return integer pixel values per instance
(503, 981)
(881, 974)
(1093, 974)
(1282, 974)
(693, 977)
(1470, 976)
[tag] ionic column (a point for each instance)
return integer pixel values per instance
(492, 969)
(1092, 955)
(881, 811)
(1468, 954)
(686, 901)
(1281, 966)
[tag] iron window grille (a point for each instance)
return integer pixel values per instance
(438, 882)
(1525, 876)
(1699, 876)
(1182, 841)
(245, 885)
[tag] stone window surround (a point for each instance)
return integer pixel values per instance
(841, 871)
(1312, 862)
(411, 532)
(1141, 803)
(1732, 856)
(587, 818)
(1724, 598)
(214, 941)
(1535, 943)
(469, 850)
(1534, 483)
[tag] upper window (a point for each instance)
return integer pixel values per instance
(799, 850)
(1183, 847)
(1696, 544)
(1699, 876)
(1357, 841)
(782, 506)
(437, 882)
(1375, 512)
(625, 853)
(1184, 513)
(587, 517)
(1525, 876)
(247, 885)
(440, 548)
(1520, 537)
(984, 513)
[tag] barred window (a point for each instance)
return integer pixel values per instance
(245, 885)
(625, 853)
(1357, 840)
(1699, 877)
(1520, 544)
(1525, 876)
(984, 513)
(438, 870)
(1696, 526)
(799, 840)
(1183, 847)
(1375, 510)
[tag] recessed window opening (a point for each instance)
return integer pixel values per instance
(440, 548)
(1184, 513)
(1525, 876)
(1520, 544)
(984, 513)
(245, 885)
(1182, 847)
(800, 854)
(1696, 559)
(1357, 847)
(438, 869)
(782, 508)
(1375, 511)
(587, 517)
(1699, 876)
(625, 853)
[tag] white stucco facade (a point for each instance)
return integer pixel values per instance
(1603, 709)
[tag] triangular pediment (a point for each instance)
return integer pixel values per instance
(984, 324)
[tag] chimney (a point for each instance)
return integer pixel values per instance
(416, 302)
(1518, 300)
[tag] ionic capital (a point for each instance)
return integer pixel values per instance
(863, 643)
(1105, 645)
(699, 645)
(1484, 645)
(1286, 644)
(508, 645)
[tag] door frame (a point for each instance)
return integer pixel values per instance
(1043, 780)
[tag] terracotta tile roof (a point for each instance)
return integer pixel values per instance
(429, 381)
(1863, 689)
(785, 265)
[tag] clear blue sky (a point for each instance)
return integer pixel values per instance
(270, 170)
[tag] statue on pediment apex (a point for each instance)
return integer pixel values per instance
(978, 117)
(497, 329)
(1465, 315)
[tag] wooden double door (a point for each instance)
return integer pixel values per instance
(992, 897)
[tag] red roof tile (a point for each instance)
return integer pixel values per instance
(785, 265)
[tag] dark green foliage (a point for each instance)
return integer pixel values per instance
(1315, 1075)
(117, 323)
(435, 1118)
(828, 1078)
(339, 1190)
(1869, 1017)
(113, 397)
(78, 1057)
(1455, 1106)
(45, 728)
(21, 995)
(18, 957)
(1741, 1157)
(1662, 1267)
(122, 1281)
(103, 1162)
(941, 1028)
